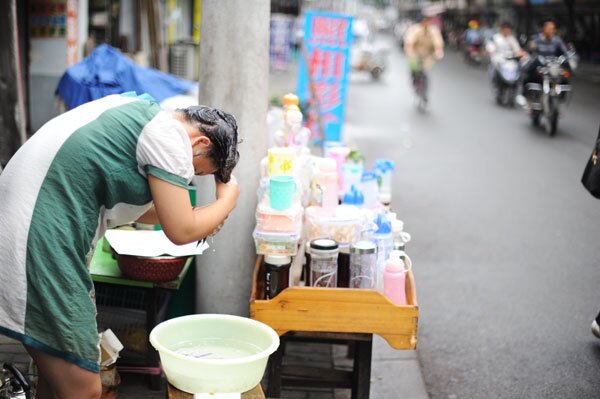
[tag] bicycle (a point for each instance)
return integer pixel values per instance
(419, 81)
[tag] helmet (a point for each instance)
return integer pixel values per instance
(473, 24)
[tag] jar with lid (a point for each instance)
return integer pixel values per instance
(277, 274)
(363, 264)
(323, 262)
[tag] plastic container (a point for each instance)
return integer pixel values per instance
(363, 264)
(351, 175)
(384, 168)
(276, 243)
(394, 277)
(400, 237)
(277, 274)
(325, 186)
(281, 161)
(370, 189)
(340, 155)
(343, 226)
(382, 237)
(269, 220)
(282, 190)
(323, 262)
(246, 346)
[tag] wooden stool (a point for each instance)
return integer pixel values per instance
(358, 380)
(174, 393)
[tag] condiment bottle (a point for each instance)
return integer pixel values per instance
(363, 264)
(343, 272)
(323, 262)
(277, 274)
(382, 237)
(394, 278)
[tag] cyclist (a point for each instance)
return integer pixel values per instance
(423, 44)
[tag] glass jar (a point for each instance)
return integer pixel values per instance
(323, 262)
(363, 264)
(277, 274)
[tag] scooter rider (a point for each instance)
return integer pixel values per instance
(504, 43)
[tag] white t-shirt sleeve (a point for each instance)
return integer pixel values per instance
(164, 151)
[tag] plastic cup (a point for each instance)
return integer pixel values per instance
(281, 191)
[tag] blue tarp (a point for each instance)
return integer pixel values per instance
(107, 71)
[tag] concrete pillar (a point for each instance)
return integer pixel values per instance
(234, 73)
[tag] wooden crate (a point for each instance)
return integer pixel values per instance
(336, 310)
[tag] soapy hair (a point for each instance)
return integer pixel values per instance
(221, 128)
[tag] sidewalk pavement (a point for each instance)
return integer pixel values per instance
(393, 373)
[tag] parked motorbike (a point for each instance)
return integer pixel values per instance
(506, 73)
(547, 99)
(13, 384)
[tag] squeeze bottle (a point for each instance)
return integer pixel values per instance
(394, 278)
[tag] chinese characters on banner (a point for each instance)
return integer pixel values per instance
(327, 40)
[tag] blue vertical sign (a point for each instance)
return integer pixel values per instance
(327, 39)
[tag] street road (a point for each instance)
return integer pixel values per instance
(505, 239)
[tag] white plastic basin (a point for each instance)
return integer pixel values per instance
(225, 353)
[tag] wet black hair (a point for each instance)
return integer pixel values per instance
(221, 128)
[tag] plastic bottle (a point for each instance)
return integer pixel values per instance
(382, 236)
(353, 197)
(394, 278)
(327, 182)
(384, 168)
(351, 175)
(370, 189)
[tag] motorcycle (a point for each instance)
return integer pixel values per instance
(506, 73)
(474, 54)
(547, 99)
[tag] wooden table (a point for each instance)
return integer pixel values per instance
(334, 315)
(174, 393)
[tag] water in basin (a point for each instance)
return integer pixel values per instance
(216, 348)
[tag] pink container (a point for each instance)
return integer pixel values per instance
(271, 221)
(327, 183)
(394, 277)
